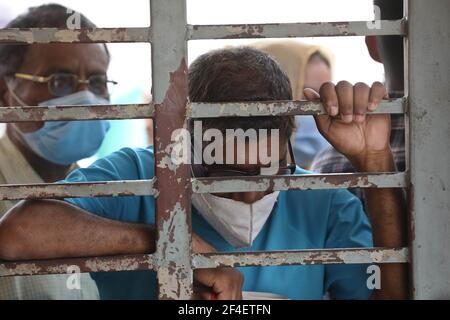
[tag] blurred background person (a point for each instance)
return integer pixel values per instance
(307, 66)
(387, 50)
(130, 64)
(38, 152)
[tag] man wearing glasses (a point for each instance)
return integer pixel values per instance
(38, 152)
(312, 219)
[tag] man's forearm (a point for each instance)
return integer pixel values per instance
(386, 209)
(51, 229)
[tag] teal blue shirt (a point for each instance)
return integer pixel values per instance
(312, 219)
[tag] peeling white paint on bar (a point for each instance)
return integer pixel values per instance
(300, 182)
(277, 108)
(78, 190)
(80, 112)
(208, 260)
(195, 32)
(55, 35)
(61, 266)
(170, 90)
(302, 257)
(290, 30)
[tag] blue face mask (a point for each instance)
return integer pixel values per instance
(66, 142)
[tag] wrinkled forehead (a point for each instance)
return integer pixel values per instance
(66, 55)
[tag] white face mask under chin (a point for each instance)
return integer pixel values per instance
(237, 222)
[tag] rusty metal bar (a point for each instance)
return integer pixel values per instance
(208, 260)
(302, 257)
(87, 35)
(195, 110)
(173, 206)
(61, 266)
(196, 32)
(277, 108)
(299, 182)
(78, 190)
(80, 112)
(429, 98)
(292, 30)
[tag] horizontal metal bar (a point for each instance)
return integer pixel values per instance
(65, 266)
(59, 35)
(195, 110)
(207, 260)
(299, 182)
(196, 32)
(291, 30)
(81, 112)
(302, 257)
(277, 108)
(78, 190)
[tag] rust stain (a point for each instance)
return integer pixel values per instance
(302, 257)
(246, 31)
(343, 28)
(60, 266)
(77, 190)
(173, 183)
(88, 112)
(83, 35)
(120, 34)
(303, 182)
(65, 35)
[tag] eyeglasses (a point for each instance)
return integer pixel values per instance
(286, 167)
(63, 84)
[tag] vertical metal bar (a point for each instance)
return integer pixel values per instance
(407, 148)
(170, 92)
(406, 87)
(429, 97)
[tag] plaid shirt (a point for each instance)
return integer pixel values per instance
(331, 161)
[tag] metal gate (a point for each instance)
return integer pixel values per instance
(426, 104)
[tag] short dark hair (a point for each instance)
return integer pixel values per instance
(391, 47)
(44, 16)
(240, 74)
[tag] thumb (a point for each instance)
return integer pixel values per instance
(322, 122)
(311, 94)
